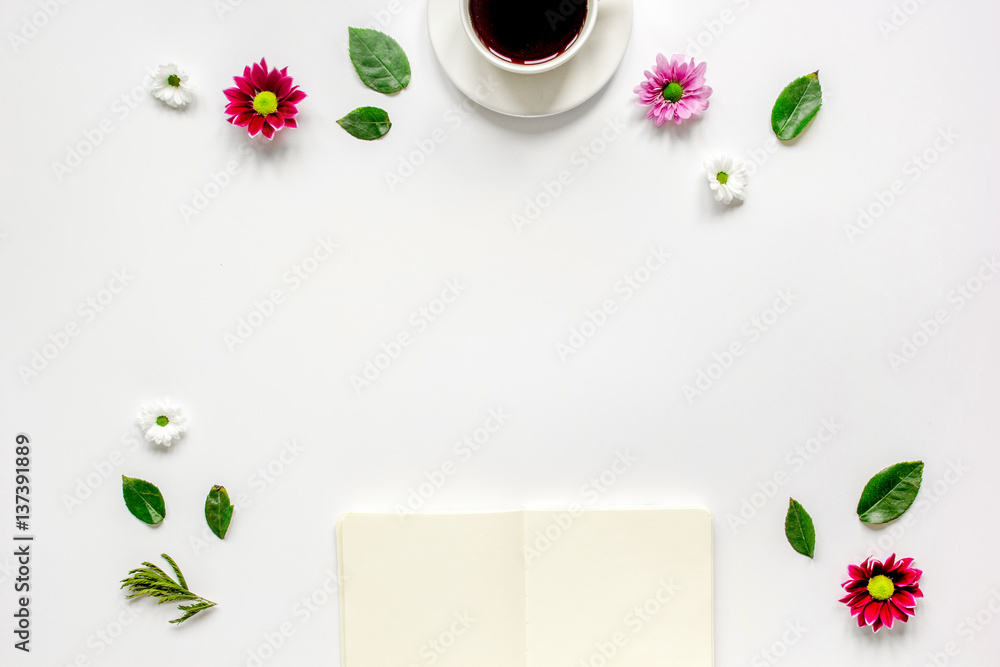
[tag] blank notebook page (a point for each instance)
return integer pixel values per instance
(441, 589)
(553, 588)
(629, 588)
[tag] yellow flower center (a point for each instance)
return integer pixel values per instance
(673, 91)
(162, 420)
(265, 103)
(722, 177)
(880, 587)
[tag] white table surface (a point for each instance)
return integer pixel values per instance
(287, 388)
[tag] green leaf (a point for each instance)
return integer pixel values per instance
(155, 583)
(799, 529)
(143, 500)
(890, 492)
(796, 106)
(177, 570)
(218, 511)
(366, 123)
(379, 60)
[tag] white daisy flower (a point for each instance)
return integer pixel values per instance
(727, 177)
(170, 84)
(162, 422)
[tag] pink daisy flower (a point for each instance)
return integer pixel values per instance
(881, 593)
(263, 100)
(675, 90)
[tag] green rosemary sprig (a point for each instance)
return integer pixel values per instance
(154, 582)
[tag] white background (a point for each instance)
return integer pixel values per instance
(887, 97)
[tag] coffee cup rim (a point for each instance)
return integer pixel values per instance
(532, 68)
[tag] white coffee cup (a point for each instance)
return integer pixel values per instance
(542, 65)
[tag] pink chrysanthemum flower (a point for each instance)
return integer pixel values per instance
(675, 90)
(263, 100)
(881, 593)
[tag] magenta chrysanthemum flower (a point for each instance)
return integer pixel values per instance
(675, 90)
(881, 593)
(263, 100)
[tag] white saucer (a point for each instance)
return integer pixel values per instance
(529, 95)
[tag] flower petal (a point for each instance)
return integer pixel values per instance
(283, 87)
(272, 80)
(858, 599)
(885, 615)
(236, 95)
(872, 611)
(896, 611)
(256, 125)
(904, 598)
(258, 76)
(243, 83)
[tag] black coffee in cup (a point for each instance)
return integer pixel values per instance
(528, 31)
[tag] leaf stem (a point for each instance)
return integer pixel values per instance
(155, 583)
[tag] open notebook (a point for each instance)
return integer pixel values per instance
(547, 588)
